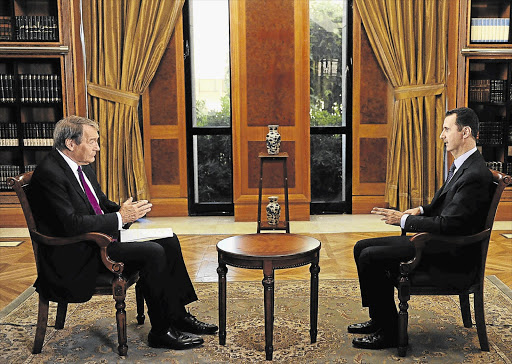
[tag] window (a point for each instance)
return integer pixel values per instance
(206, 27)
(329, 110)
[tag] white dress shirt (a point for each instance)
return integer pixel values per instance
(74, 168)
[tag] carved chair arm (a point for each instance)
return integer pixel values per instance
(421, 240)
(102, 240)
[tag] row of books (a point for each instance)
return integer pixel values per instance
(29, 28)
(5, 28)
(504, 167)
(34, 88)
(7, 88)
(38, 134)
(8, 135)
(487, 90)
(7, 171)
(40, 88)
(491, 133)
(489, 30)
(34, 134)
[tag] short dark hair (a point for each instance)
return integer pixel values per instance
(71, 127)
(466, 117)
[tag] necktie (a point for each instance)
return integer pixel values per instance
(450, 173)
(88, 192)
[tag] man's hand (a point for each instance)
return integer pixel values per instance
(131, 211)
(414, 211)
(391, 217)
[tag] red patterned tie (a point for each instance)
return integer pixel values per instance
(88, 192)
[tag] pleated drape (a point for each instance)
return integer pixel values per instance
(124, 43)
(409, 39)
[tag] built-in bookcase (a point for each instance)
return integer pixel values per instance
(484, 81)
(490, 95)
(30, 104)
(32, 80)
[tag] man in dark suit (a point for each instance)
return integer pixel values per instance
(67, 200)
(458, 208)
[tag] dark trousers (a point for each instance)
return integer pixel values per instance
(374, 258)
(166, 285)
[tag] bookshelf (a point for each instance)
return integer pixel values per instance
(490, 95)
(35, 67)
(29, 21)
(485, 81)
(489, 22)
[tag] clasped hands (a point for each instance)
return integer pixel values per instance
(131, 211)
(393, 217)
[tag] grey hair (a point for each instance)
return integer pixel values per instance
(71, 127)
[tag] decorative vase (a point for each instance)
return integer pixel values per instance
(273, 140)
(273, 211)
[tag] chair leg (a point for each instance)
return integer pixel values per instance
(465, 310)
(42, 321)
(403, 321)
(121, 327)
(403, 315)
(139, 298)
(62, 308)
(119, 293)
(480, 320)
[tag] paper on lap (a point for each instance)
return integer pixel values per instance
(133, 235)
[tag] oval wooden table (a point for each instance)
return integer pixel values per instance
(268, 251)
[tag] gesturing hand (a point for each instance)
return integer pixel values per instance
(389, 216)
(131, 211)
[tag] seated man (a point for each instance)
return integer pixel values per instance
(67, 200)
(458, 208)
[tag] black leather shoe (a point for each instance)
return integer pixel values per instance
(174, 339)
(368, 327)
(190, 323)
(377, 340)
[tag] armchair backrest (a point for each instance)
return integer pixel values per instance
(21, 184)
(501, 181)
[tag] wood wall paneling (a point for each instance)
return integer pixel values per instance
(372, 160)
(272, 170)
(372, 97)
(165, 154)
(270, 85)
(166, 173)
(270, 62)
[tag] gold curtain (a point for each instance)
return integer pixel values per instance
(124, 43)
(409, 39)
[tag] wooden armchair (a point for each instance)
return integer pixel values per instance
(110, 282)
(416, 279)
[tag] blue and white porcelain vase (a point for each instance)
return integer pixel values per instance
(273, 211)
(273, 140)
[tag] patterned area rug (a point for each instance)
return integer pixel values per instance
(436, 333)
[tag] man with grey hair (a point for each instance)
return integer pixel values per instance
(67, 200)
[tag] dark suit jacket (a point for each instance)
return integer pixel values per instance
(461, 206)
(61, 208)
